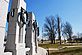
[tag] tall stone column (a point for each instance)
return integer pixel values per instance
(30, 34)
(3, 16)
(16, 29)
(12, 32)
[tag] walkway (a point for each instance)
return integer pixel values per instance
(41, 51)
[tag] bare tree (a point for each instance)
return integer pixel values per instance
(49, 28)
(67, 30)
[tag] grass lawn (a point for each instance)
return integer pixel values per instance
(68, 51)
(49, 45)
(65, 51)
(52, 45)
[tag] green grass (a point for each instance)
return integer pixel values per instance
(52, 45)
(49, 45)
(68, 51)
(65, 51)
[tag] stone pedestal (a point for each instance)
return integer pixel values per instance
(30, 34)
(21, 50)
(7, 53)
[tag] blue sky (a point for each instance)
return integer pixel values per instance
(68, 10)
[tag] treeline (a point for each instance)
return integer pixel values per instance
(77, 38)
(53, 27)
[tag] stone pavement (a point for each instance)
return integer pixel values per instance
(52, 49)
(41, 51)
(72, 46)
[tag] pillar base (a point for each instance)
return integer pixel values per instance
(7, 53)
(21, 50)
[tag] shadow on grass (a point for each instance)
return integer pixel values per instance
(53, 45)
(68, 51)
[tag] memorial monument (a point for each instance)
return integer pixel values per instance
(3, 12)
(22, 32)
(32, 32)
(16, 19)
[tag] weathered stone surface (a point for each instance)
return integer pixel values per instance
(3, 15)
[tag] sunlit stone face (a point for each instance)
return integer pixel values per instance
(7, 0)
(3, 7)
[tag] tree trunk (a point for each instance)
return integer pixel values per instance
(51, 41)
(54, 40)
(59, 32)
